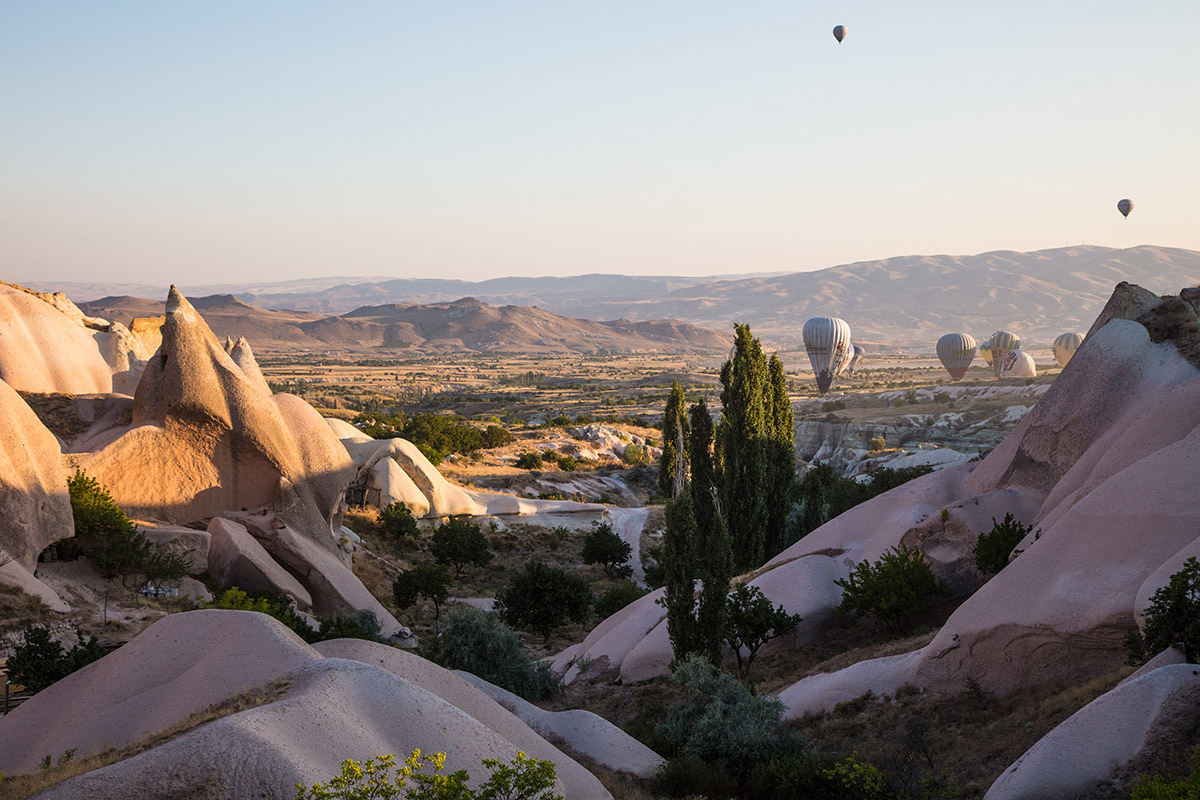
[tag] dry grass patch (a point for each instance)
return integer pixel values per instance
(67, 767)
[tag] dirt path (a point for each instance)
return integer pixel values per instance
(628, 523)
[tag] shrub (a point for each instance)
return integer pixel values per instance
(41, 661)
(523, 778)
(397, 522)
(751, 621)
(478, 642)
(424, 580)
(635, 454)
(459, 544)
(993, 548)
(1160, 787)
(617, 597)
(942, 397)
(878, 443)
(1173, 615)
(360, 624)
(529, 461)
(163, 564)
(496, 436)
(567, 463)
(603, 546)
(833, 405)
(722, 722)
(109, 538)
(893, 589)
(541, 598)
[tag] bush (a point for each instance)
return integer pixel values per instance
(360, 624)
(567, 463)
(603, 546)
(397, 522)
(41, 661)
(942, 397)
(424, 580)
(878, 443)
(459, 544)
(272, 605)
(479, 643)
(163, 564)
(722, 722)
(523, 778)
(1173, 615)
(635, 454)
(496, 436)
(617, 597)
(893, 589)
(109, 538)
(1160, 787)
(541, 598)
(993, 548)
(529, 461)
(833, 405)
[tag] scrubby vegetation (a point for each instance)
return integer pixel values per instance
(430, 581)
(460, 544)
(396, 522)
(993, 547)
(751, 621)
(604, 547)
(616, 597)
(435, 435)
(893, 589)
(478, 642)
(1172, 618)
(41, 661)
(541, 598)
(823, 495)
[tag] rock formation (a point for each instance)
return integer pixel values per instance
(313, 710)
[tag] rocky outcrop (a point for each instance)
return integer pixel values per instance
(48, 345)
(235, 558)
(309, 711)
(1094, 748)
(394, 470)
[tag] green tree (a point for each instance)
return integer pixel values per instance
(164, 564)
(1161, 787)
(680, 570)
(421, 778)
(781, 455)
(715, 567)
(496, 436)
(430, 581)
(1173, 616)
(751, 621)
(360, 624)
(41, 661)
(634, 454)
(672, 464)
(478, 642)
(109, 538)
(529, 461)
(616, 597)
(744, 434)
(397, 522)
(603, 546)
(541, 598)
(893, 589)
(458, 543)
(276, 606)
(993, 548)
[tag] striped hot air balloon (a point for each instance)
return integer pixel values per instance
(956, 352)
(856, 360)
(985, 350)
(1018, 364)
(1002, 343)
(1065, 347)
(827, 340)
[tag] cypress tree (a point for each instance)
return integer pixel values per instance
(781, 459)
(713, 557)
(744, 438)
(674, 444)
(679, 565)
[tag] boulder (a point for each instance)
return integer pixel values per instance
(191, 543)
(346, 432)
(1089, 750)
(440, 497)
(304, 713)
(235, 558)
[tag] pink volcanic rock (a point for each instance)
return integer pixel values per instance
(441, 497)
(1128, 301)
(463, 691)
(243, 356)
(332, 709)
(345, 432)
(177, 667)
(1088, 750)
(235, 558)
(188, 542)
(585, 732)
(35, 510)
(1161, 577)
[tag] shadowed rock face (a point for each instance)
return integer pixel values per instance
(35, 510)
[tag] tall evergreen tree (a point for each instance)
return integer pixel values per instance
(674, 444)
(713, 558)
(781, 459)
(680, 568)
(744, 436)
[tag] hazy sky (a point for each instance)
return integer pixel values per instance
(242, 141)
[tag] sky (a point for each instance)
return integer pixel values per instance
(201, 142)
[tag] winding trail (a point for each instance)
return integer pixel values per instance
(628, 523)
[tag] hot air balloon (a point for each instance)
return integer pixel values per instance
(985, 350)
(1002, 343)
(956, 352)
(844, 361)
(1125, 206)
(1065, 347)
(839, 33)
(827, 340)
(1018, 364)
(856, 360)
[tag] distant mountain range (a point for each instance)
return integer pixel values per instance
(464, 325)
(906, 300)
